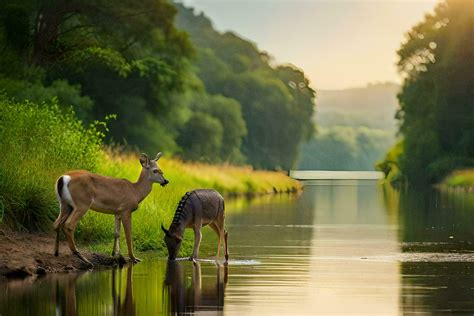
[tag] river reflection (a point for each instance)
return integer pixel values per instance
(342, 247)
(186, 296)
(436, 234)
(125, 305)
(119, 291)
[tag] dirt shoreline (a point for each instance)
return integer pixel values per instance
(25, 254)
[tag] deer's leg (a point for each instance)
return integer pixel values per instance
(222, 234)
(197, 242)
(127, 226)
(70, 293)
(215, 228)
(63, 215)
(225, 245)
(196, 284)
(69, 228)
(116, 249)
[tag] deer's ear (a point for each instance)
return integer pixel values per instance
(145, 161)
(158, 156)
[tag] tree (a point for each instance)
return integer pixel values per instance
(276, 102)
(126, 57)
(437, 99)
(201, 138)
(228, 112)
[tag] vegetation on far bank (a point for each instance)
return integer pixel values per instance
(355, 128)
(40, 142)
(344, 148)
(460, 178)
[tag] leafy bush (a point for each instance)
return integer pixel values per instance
(390, 166)
(67, 94)
(38, 144)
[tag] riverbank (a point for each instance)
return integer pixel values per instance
(25, 254)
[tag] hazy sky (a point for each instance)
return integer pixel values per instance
(338, 44)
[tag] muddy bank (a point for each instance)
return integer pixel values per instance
(24, 254)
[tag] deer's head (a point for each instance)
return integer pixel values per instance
(151, 169)
(173, 243)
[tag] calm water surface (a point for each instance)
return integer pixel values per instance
(341, 247)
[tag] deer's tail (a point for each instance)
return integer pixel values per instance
(62, 190)
(59, 188)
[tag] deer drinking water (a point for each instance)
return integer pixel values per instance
(79, 191)
(196, 209)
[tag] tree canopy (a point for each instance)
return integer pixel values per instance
(437, 99)
(173, 82)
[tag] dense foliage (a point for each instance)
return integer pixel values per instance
(276, 103)
(219, 101)
(101, 57)
(437, 98)
(39, 142)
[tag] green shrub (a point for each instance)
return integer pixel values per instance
(66, 93)
(390, 166)
(38, 143)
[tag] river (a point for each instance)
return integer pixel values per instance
(340, 247)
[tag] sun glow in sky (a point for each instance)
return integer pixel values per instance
(339, 44)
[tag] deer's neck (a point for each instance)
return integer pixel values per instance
(143, 186)
(178, 229)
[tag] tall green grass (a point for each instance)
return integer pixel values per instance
(38, 142)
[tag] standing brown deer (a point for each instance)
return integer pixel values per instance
(79, 191)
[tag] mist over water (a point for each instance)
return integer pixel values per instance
(349, 247)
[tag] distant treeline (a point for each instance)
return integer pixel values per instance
(344, 148)
(436, 113)
(173, 81)
(356, 127)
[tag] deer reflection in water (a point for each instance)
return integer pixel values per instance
(65, 294)
(198, 296)
(127, 306)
